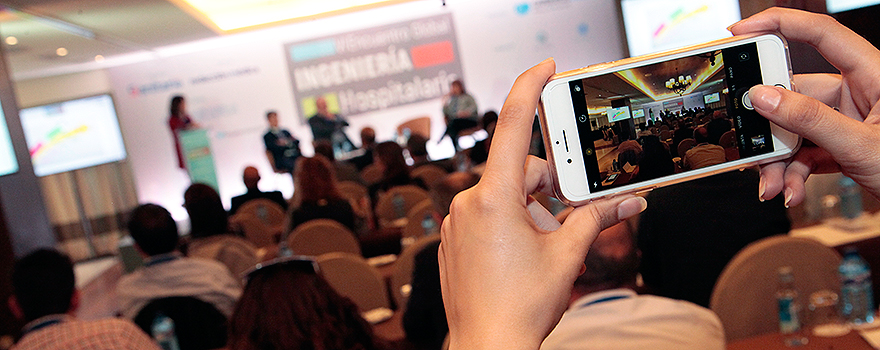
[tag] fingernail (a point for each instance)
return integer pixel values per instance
(765, 98)
(546, 60)
(761, 187)
(788, 194)
(631, 207)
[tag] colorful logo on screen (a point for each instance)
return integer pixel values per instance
(53, 139)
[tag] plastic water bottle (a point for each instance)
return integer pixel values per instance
(398, 203)
(428, 224)
(789, 308)
(850, 198)
(163, 332)
(856, 294)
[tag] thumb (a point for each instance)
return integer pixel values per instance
(811, 119)
(585, 223)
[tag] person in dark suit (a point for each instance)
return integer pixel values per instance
(281, 144)
(251, 177)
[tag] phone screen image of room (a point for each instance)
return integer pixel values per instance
(670, 117)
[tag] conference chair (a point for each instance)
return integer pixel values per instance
(414, 220)
(429, 174)
(385, 207)
(728, 139)
(403, 270)
(744, 295)
(417, 126)
(198, 325)
(236, 253)
(358, 197)
(262, 221)
(372, 174)
(321, 236)
(352, 277)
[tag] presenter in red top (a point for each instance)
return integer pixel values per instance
(179, 121)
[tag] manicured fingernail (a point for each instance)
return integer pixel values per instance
(546, 60)
(631, 207)
(788, 194)
(761, 187)
(765, 98)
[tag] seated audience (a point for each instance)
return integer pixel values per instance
(166, 272)
(629, 151)
(316, 196)
(418, 150)
(368, 142)
(345, 171)
(691, 230)
(703, 154)
(210, 236)
(655, 160)
(251, 177)
(480, 152)
(45, 296)
(424, 320)
(389, 157)
(287, 305)
(605, 312)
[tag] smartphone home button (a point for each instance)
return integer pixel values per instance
(747, 102)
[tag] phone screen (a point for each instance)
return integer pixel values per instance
(670, 117)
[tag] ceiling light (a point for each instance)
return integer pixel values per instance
(11, 40)
(61, 52)
(233, 15)
(99, 58)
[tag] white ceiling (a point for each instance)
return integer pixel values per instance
(119, 27)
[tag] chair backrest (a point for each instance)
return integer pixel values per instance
(665, 135)
(198, 325)
(269, 212)
(664, 127)
(429, 174)
(236, 253)
(419, 125)
(353, 191)
(321, 236)
(255, 230)
(403, 269)
(415, 218)
(744, 295)
(352, 277)
(385, 207)
(684, 145)
(372, 174)
(728, 139)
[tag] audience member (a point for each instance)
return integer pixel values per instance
(177, 122)
(416, 145)
(287, 305)
(251, 178)
(328, 126)
(206, 214)
(703, 154)
(655, 159)
(480, 152)
(281, 144)
(316, 196)
(691, 230)
(345, 171)
(389, 157)
(424, 319)
(682, 131)
(166, 272)
(629, 151)
(45, 296)
(460, 111)
(605, 312)
(368, 142)
(210, 235)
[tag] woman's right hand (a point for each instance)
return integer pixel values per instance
(847, 140)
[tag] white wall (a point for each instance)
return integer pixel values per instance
(498, 39)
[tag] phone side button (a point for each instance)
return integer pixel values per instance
(645, 191)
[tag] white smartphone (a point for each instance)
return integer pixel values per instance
(640, 123)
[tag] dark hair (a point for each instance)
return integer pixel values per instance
(611, 271)
(391, 156)
(701, 135)
(270, 113)
(716, 128)
(289, 308)
(417, 145)
(460, 85)
(314, 180)
(488, 118)
(153, 229)
(324, 148)
(207, 216)
(368, 136)
(175, 105)
(43, 284)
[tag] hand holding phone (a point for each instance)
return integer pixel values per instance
(693, 103)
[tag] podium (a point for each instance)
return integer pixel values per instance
(196, 148)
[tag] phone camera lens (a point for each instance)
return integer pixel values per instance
(569, 160)
(582, 118)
